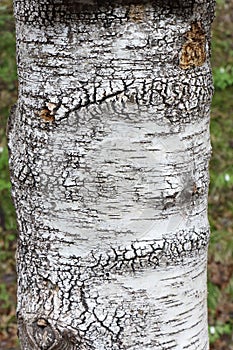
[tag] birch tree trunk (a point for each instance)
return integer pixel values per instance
(109, 151)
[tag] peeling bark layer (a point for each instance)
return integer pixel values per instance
(109, 148)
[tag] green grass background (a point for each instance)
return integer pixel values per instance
(220, 276)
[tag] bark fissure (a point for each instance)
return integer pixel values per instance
(95, 100)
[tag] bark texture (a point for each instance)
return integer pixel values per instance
(109, 147)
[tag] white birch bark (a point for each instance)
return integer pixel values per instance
(109, 146)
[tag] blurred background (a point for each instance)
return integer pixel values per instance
(220, 266)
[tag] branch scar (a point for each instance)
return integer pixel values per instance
(193, 52)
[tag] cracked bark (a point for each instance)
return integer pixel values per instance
(109, 151)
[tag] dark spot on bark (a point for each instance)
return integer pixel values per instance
(193, 52)
(136, 13)
(43, 334)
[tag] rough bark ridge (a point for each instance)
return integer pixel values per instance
(109, 160)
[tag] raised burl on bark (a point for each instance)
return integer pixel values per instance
(193, 52)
